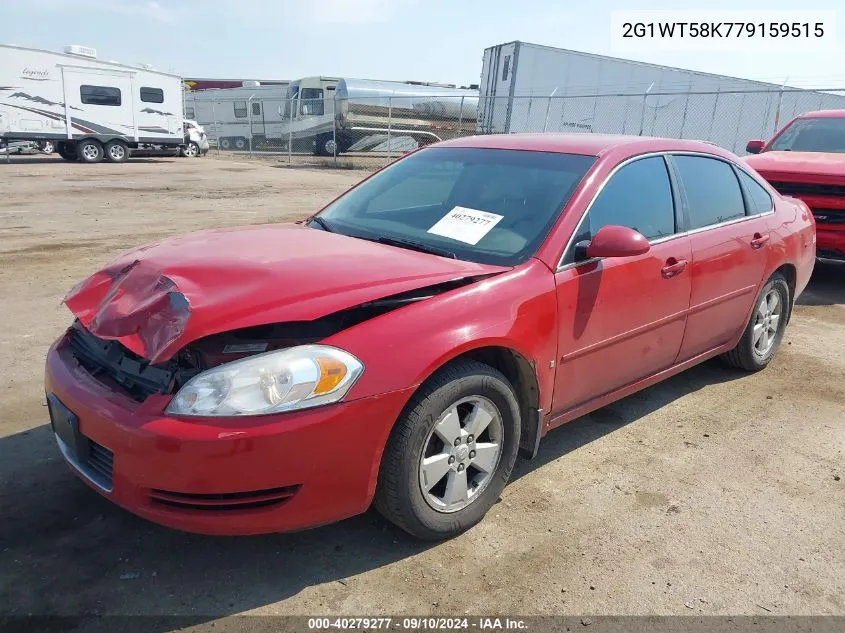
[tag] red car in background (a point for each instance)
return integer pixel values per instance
(406, 343)
(806, 160)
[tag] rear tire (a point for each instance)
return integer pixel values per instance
(433, 486)
(225, 143)
(116, 151)
(763, 334)
(89, 151)
(241, 143)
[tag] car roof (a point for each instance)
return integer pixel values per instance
(823, 114)
(586, 144)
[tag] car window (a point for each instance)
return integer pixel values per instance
(757, 198)
(431, 185)
(711, 188)
(638, 196)
(812, 135)
(441, 197)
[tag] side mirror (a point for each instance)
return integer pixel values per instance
(613, 241)
(755, 147)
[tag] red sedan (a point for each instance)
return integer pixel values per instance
(405, 344)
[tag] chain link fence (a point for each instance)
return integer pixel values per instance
(383, 127)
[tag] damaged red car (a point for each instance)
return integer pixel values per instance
(405, 344)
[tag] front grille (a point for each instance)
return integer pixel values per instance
(99, 464)
(829, 216)
(809, 189)
(134, 375)
(96, 467)
(226, 502)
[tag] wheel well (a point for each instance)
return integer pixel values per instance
(789, 272)
(521, 373)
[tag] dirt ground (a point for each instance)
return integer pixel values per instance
(715, 492)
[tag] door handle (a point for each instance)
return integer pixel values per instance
(673, 267)
(759, 240)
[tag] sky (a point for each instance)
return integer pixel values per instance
(423, 40)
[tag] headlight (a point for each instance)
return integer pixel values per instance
(282, 380)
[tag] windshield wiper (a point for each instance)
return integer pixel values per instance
(321, 223)
(416, 246)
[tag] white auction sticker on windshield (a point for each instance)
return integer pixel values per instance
(465, 225)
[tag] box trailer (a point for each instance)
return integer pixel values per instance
(533, 88)
(89, 108)
(231, 116)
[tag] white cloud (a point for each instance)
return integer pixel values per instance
(350, 11)
(353, 12)
(148, 9)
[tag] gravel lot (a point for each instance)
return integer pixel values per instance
(713, 493)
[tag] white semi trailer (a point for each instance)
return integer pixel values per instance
(532, 88)
(88, 108)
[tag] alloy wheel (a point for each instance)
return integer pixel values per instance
(90, 152)
(461, 454)
(766, 322)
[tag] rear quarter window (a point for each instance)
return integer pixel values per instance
(757, 198)
(711, 189)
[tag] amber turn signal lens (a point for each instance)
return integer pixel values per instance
(331, 373)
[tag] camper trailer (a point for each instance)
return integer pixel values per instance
(332, 115)
(90, 109)
(231, 116)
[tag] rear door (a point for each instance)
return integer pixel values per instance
(623, 319)
(730, 247)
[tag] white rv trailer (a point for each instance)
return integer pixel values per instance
(331, 115)
(532, 88)
(91, 109)
(231, 116)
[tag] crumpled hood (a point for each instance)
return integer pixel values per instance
(157, 298)
(773, 165)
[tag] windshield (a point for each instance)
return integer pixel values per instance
(812, 135)
(489, 206)
(293, 91)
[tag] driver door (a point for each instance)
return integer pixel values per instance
(623, 319)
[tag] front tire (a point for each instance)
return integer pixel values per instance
(326, 146)
(763, 334)
(89, 151)
(451, 452)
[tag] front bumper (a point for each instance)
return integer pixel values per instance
(254, 475)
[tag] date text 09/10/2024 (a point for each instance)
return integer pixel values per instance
(417, 624)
